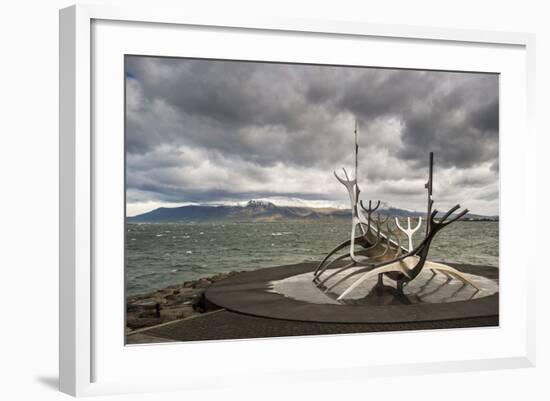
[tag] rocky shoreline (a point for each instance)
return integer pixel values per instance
(178, 301)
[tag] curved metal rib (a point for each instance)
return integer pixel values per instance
(396, 266)
(334, 250)
(349, 265)
(360, 253)
(455, 273)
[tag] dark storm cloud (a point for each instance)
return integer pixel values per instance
(218, 129)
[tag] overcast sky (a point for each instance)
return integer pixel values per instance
(204, 131)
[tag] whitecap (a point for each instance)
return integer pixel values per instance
(189, 252)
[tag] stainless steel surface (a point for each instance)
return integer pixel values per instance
(425, 288)
(395, 262)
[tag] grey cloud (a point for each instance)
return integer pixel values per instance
(254, 117)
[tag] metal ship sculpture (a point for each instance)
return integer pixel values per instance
(375, 250)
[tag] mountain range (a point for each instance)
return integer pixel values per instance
(259, 210)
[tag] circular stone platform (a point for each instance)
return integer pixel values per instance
(285, 292)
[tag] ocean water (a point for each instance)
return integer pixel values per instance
(159, 255)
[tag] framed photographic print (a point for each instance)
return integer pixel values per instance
(240, 191)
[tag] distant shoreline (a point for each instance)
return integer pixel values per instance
(327, 220)
(266, 211)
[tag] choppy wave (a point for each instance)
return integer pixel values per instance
(278, 234)
(156, 260)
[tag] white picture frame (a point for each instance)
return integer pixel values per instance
(91, 359)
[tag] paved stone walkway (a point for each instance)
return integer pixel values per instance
(224, 325)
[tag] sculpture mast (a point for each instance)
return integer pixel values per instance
(356, 203)
(429, 187)
(356, 156)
